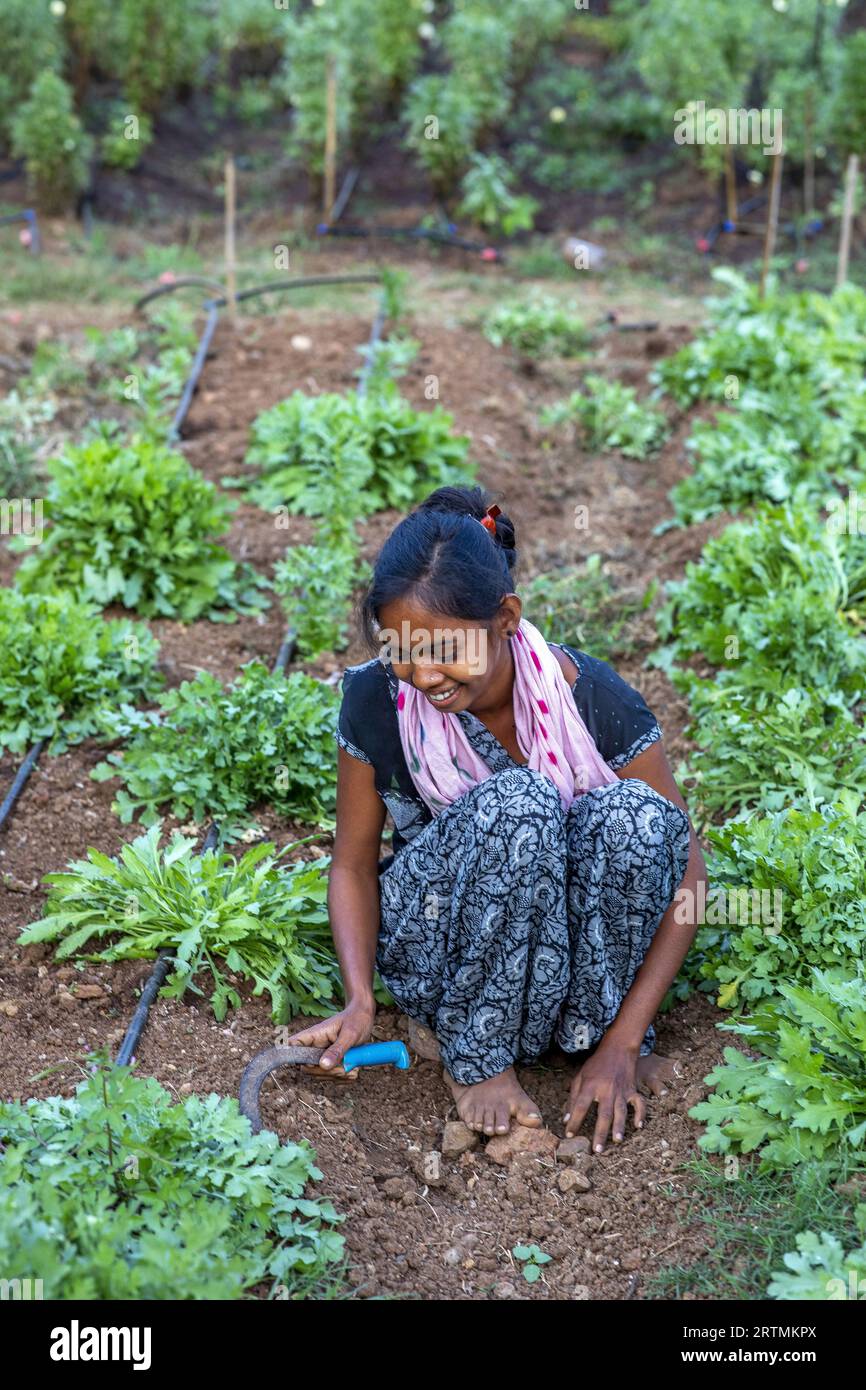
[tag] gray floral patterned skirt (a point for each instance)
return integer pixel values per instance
(509, 923)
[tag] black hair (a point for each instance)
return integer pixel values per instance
(445, 559)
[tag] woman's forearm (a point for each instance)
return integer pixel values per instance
(353, 905)
(668, 950)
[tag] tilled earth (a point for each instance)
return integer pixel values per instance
(416, 1226)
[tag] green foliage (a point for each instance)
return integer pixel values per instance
(156, 48)
(442, 124)
(774, 344)
(489, 198)
(118, 1193)
(126, 138)
(812, 864)
(803, 1098)
(761, 749)
(23, 419)
(218, 915)
(537, 328)
(380, 448)
(60, 661)
(315, 582)
(611, 417)
(48, 135)
(214, 750)
(848, 110)
(532, 1259)
(31, 42)
(131, 523)
(777, 596)
(821, 1268)
(580, 606)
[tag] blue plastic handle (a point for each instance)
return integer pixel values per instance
(377, 1055)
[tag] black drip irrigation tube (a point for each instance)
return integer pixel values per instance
(449, 238)
(162, 965)
(213, 307)
(20, 780)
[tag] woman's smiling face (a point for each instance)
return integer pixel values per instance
(454, 662)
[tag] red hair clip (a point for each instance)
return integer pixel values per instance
(488, 521)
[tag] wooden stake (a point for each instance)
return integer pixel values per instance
(772, 218)
(231, 267)
(330, 188)
(808, 156)
(730, 184)
(847, 218)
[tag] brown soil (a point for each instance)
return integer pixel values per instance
(403, 1237)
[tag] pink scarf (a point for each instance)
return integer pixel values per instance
(550, 732)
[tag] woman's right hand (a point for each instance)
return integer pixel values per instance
(350, 1028)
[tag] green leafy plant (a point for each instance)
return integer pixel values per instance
(761, 749)
(127, 136)
(488, 197)
(821, 1268)
(48, 135)
(220, 916)
(387, 453)
(132, 523)
(798, 877)
(61, 664)
(610, 417)
(581, 607)
(532, 1260)
(779, 595)
(118, 1193)
(536, 328)
(803, 1098)
(214, 750)
(31, 41)
(315, 583)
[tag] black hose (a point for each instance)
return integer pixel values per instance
(375, 335)
(195, 371)
(214, 305)
(344, 195)
(182, 282)
(286, 652)
(20, 779)
(416, 234)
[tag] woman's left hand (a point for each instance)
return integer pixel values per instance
(608, 1079)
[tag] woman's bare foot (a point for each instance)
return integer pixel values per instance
(490, 1105)
(656, 1073)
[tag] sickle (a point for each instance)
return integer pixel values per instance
(266, 1061)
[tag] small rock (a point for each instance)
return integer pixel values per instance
(66, 1000)
(185, 1089)
(90, 992)
(521, 1139)
(572, 1181)
(396, 1187)
(505, 1290)
(66, 972)
(580, 1291)
(570, 1149)
(300, 342)
(8, 1008)
(632, 1260)
(422, 1041)
(457, 1139)
(452, 1256)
